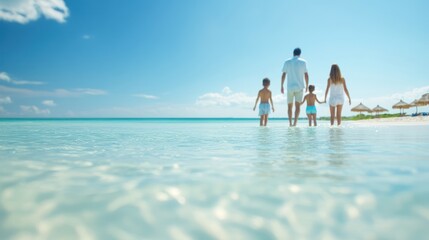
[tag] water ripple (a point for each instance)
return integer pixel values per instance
(211, 180)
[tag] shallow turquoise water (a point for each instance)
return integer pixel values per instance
(204, 179)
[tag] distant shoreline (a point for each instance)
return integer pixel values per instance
(365, 118)
(138, 119)
(396, 121)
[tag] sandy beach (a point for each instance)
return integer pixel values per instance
(398, 121)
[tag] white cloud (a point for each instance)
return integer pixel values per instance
(87, 37)
(224, 98)
(5, 100)
(26, 82)
(49, 103)
(229, 98)
(226, 90)
(388, 100)
(53, 93)
(90, 91)
(280, 98)
(5, 77)
(230, 103)
(34, 110)
(413, 94)
(146, 96)
(24, 11)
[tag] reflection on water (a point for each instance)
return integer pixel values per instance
(264, 161)
(337, 152)
(211, 180)
(264, 142)
(292, 146)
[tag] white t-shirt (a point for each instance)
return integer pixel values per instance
(295, 68)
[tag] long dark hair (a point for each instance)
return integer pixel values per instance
(335, 74)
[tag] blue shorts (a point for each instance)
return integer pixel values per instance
(264, 109)
(311, 110)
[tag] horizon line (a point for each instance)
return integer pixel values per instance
(151, 118)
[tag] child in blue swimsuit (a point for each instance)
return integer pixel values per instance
(264, 107)
(311, 99)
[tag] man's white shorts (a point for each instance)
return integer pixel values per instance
(297, 94)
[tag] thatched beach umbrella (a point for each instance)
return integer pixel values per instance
(424, 100)
(361, 108)
(401, 105)
(416, 104)
(379, 109)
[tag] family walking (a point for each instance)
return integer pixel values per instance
(295, 71)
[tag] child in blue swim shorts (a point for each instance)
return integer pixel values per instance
(264, 107)
(311, 99)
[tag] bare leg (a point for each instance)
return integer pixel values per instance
(314, 120)
(261, 122)
(339, 109)
(266, 119)
(289, 113)
(332, 109)
(309, 119)
(297, 111)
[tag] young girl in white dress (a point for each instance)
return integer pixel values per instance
(337, 86)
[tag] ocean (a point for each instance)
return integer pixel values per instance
(211, 179)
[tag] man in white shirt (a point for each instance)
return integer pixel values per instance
(295, 69)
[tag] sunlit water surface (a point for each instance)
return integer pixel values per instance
(207, 179)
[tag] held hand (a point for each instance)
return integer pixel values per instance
(273, 109)
(283, 90)
(254, 108)
(350, 102)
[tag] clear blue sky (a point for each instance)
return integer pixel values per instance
(195, 58)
